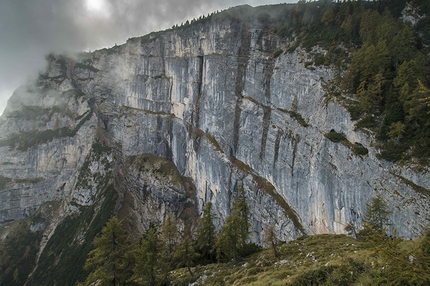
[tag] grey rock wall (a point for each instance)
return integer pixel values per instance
(212, 99)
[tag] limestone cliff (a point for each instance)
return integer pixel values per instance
(188, 115)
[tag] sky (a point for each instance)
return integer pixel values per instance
(31, 29)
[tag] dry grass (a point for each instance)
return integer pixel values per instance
(337, 255)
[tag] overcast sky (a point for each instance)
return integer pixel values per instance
(30, 29)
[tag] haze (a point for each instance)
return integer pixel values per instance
(29, 30)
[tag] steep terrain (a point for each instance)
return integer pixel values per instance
(172, 120)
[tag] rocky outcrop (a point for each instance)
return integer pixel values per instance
(191, 114)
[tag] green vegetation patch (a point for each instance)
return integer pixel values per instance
(320, 260)
(336, 137)
(277, 53)
(18, 253)
(161, 168)
(414, 186)
(95, 155)
(297, 116)
(63, 258)
(340, 137)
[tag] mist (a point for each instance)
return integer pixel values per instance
(29, 30)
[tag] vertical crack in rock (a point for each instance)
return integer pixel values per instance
(268, 46)
(201, 66)
(163, 57)
(277, 143)
(242, 60)
(170, 138)
(294, 142)
(200, 90)
(268, 73)
(266, 123)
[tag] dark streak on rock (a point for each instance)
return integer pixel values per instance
(277, 143)
(266, 124)
(200, 87)
(243, 58)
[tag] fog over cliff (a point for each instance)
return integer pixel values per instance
(29, 30)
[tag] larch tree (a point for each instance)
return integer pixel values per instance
(271, 239)
(206, 237)
(377, 213)
(234, 233)
(110, 262)
(185, 255)
(147, 256)
(170, 238)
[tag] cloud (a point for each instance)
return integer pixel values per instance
(29, 30)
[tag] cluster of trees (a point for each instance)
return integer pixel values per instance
(382, 65)
(386, 77)
(116, 260)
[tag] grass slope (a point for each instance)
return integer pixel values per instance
(310, 260)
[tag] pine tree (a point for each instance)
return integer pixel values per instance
(110, 261)
(205, 238)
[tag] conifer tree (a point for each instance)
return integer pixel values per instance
(271, 239)
(205, 238)
(234, 233)
(425, 245)
(425, 94)
(147, 256)
(377, 213)
(170, 238)
(110, 261)
(185, 255)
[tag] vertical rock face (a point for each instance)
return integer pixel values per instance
(211, 99)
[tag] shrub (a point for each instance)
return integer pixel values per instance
(248, 249)
(366, 122)
(336, 137)
(359, 149)
(277, 53)
(319, 59)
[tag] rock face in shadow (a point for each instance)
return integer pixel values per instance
(189, 116)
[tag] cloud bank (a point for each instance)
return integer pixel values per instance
(29, 30)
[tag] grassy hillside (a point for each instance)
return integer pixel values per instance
(321, 260)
